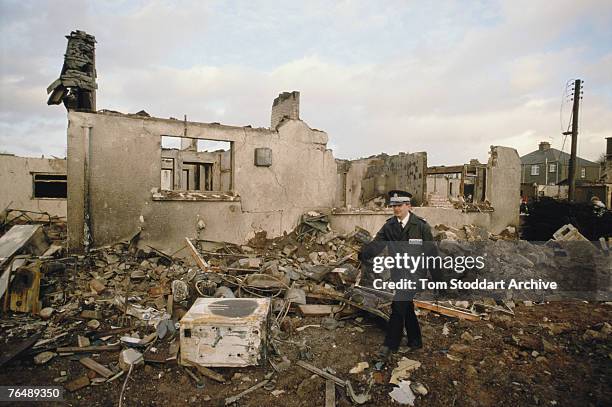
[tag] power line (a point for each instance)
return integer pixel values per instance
(564, 95)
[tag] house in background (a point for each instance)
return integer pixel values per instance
(606, 175)
(544, 172)
(549, 166)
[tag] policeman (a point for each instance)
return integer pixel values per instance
(405, 232)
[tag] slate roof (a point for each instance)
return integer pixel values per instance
(552, 155)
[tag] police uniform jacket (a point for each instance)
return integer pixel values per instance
(415, 239)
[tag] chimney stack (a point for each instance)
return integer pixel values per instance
(287, 104)
(76, 86)
(544, 145)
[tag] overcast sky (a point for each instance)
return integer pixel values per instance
(450, 78)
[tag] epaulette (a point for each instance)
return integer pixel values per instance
(418, 217)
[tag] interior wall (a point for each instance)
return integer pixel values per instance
(368, 178)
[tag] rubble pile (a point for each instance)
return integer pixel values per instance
(466, 206)
(577, 265)
(128, 300)
(55, 227)
(120, 307)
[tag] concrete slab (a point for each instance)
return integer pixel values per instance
(17, 237)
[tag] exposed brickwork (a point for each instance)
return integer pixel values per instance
(287, 104)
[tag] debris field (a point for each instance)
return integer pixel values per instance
(107, 326)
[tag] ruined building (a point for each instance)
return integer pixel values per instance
(167, 179)
(492, 188)
(123, 179)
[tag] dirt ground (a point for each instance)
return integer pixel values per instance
(548, 354)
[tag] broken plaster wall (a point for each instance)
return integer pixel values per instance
(117, 158)
(16, 184)
(503, 187)
(438, 184)
(368, 178)
(350, 176)
(443, 185)
(502, 190)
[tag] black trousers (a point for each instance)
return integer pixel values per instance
(402, 316)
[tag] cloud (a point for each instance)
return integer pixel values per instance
(450, 79)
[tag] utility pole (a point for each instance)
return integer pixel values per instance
(571, 177)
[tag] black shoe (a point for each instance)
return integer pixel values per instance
(384, 352)
(414, 345)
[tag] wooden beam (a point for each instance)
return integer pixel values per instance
(233, 399)
(315, 310)
(442, 169)
(96, 367)
(356, 398)
(211, 374)
(440, 309)
(109, 332)
(26, 300)
(340, 298)
(330, 393)
(321, 373)
(77, 383)
(194, 253)
(76, 349)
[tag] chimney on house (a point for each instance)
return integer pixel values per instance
(544, 145)
(287, 104)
